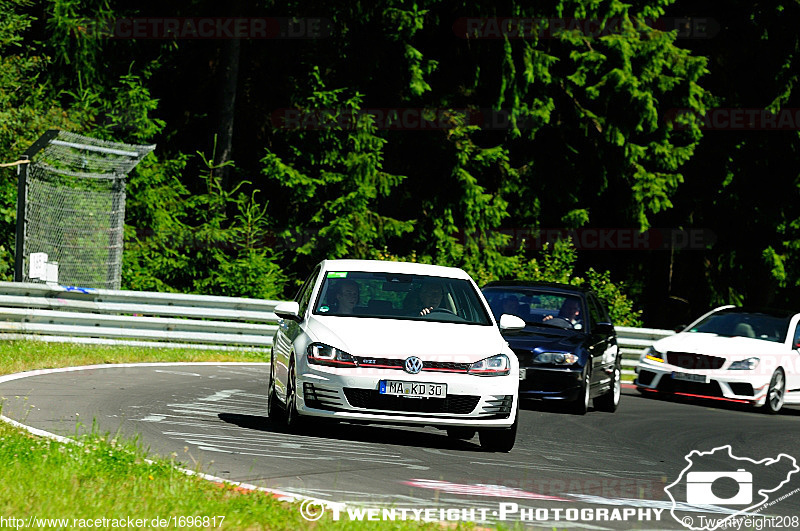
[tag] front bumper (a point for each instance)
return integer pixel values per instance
(544, 383)
(352, 394)
(735, 386)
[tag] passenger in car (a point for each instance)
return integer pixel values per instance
(345, 296)
(744, 330)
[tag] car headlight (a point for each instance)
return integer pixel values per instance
(653, 355)
(557, 358)
(322, 354)
(744, 365)
(494, 366)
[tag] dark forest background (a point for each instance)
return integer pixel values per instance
(273, 153)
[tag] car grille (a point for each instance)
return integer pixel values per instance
(741, 388)
(645, 377)
(320, 397)
(687, 360)
(372, 399)
(668, 385)
(549, 381)
(430, 366)
(500, 405)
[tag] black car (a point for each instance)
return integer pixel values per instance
(568, 349)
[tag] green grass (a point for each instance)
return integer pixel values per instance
(19, 356)
(109, 477)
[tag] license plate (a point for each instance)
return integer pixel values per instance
(702, 378)
(413, 389)
(522, 374)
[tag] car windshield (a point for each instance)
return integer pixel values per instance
(400, 296)
(741, 324)
(535, 307)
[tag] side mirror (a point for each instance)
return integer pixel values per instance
(511, 322)
(288, 310)
(678, 329)
(606, 329)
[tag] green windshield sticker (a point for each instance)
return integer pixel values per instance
(337, 274)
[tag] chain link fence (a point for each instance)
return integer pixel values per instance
(71, 206)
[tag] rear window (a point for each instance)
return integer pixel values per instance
(400, 296)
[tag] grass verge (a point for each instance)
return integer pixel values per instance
(50, 484)
(19, 356)
(74, 485)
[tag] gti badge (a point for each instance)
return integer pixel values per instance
(413, 365)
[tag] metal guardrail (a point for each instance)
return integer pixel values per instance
(100, 316)
(633, 342)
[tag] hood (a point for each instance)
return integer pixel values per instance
(547, 338)
(714, 345)
(397, 338)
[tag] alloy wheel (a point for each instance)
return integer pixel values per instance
(775, 393)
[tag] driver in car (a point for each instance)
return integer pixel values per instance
(570, 311)
(430, 297)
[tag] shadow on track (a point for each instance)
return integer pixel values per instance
(786, 411)
(379, 434)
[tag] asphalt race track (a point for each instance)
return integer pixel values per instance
(598, 471)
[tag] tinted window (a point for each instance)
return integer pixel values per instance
(595, 313)
(601, 308)
(400, 296)
(741, 324)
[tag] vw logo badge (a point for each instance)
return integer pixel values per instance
(413, 365)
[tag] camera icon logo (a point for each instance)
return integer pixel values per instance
(699, 488)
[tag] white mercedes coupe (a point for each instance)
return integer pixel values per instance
(395, 343)
(733, 354)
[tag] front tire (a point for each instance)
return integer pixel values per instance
(499, 440)
(609, 401)
(775, 393)
(581, 404)
(274, 411)
(293, 418)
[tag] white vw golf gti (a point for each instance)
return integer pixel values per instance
(395, 343)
